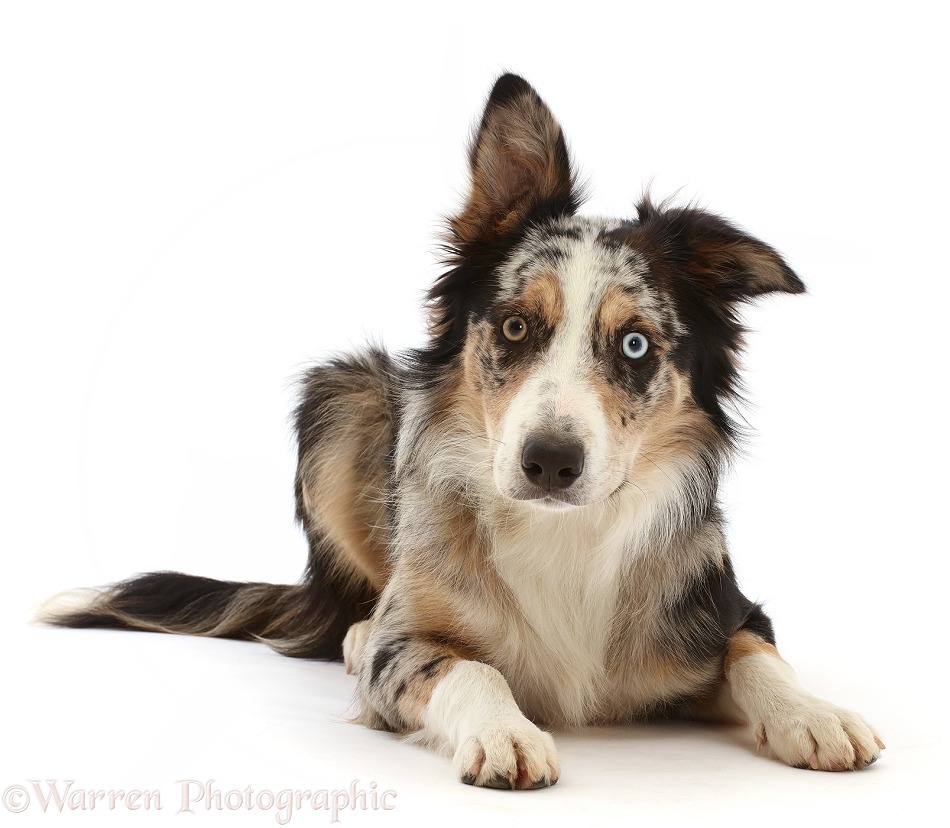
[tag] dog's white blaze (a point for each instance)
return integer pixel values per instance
(558, 393)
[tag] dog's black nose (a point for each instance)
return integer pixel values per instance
(552, 463)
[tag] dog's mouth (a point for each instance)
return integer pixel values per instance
(554, 504)
(559, 500)
(556, 501)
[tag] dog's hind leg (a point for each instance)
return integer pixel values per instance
(354, 644)
(345, 432)
(800, 729)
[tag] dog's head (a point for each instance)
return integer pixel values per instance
(597, 353)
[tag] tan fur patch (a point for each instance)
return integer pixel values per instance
(469, 392)
(348, 518)
(644, 667)
(412, 702)
(428, 610)
(745, 643)
(344, 488)
(766, 270)
(429, 603)
(544, 297)
(676, 429)
(616, 310)
(433, 605)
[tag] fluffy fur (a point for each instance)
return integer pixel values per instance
(517, 526)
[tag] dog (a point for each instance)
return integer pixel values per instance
(516, 525)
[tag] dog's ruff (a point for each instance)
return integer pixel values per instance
(517, 525)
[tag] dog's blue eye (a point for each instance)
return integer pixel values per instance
(634, 346)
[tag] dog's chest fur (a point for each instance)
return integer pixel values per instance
(578, 641)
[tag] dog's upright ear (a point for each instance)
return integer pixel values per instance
(520, 173)
(714, 256)
(520, 167)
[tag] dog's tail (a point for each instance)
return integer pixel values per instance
(345, 427)
(307, 620)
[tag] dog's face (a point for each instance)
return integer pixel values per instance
(572, 363)
(599, 352)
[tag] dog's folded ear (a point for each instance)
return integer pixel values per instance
(520, 167)
(709, 267)
(713, 254)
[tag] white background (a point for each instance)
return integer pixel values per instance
(197, 200)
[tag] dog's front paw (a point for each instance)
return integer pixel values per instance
(815, 734)
(513, 756)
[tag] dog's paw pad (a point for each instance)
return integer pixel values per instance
(518, 756)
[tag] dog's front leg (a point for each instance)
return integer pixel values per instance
(495, 745)
(801, 730)
(418, 686)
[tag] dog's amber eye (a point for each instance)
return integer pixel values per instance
(634, 345)
(514, 328)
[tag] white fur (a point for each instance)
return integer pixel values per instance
(354, 643)
(66, 603)
(799, 728)
(473, 714)
(566, 590)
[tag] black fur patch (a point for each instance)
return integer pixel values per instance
(632, 375)
(711, 611)
(164, 598)
(384, 656)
